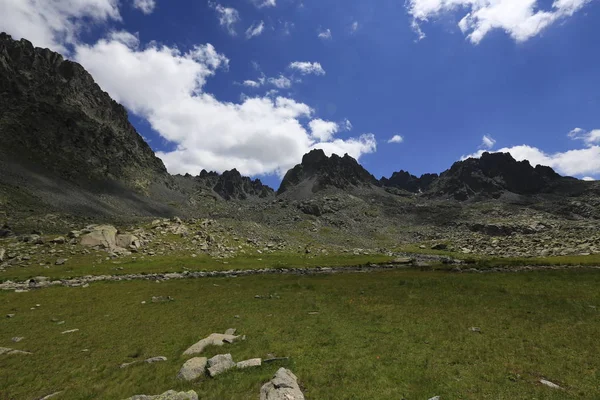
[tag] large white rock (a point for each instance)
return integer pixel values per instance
(283, 386)
(100, 236)
(253, 362)
(193, 369)
(125, 240)
(219, 364)
(215, 339)
(169, 395)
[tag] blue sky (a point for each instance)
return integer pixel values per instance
(440, 74)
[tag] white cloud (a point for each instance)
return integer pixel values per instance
(255, 29)
(306, 68)
(251, 83)
(259, 135)
(323, 131)
(487, 142)
(325, 34)
(54, 24)
(280, 82)
(228, 17)
(354, 27)
(347, 125)
(145, 6)
(573, 162)
(396, 139)
(589, 138)
(521, 19)
(588, 178)
(264, 3)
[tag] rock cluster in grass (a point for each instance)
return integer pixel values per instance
(283, 386)
(9, 351)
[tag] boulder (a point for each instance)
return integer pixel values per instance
(253, 362)
(219, 364)
(103, 236)
(215, 339)
(193, 368)
(125, 240)
(6, 350)
(283, 386)
(169, 395)
(2, 254)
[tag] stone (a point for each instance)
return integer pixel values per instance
(60, 261)
(231, 331)
(439, 246)
(435, 398)
(283, 386)
(2, 254)
(126, 240)
(10, 315)
(103, 236)
(168, 395)
(17, 339)
(6, 350)
(162, 299)
(193, 368)
(215, 339)
(51, 396)
(475, 329)
(219, 364)
(253, 362)
(58, 240)
(70, 331)
(153, 360)
(549, 384)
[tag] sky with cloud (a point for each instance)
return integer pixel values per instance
(400, 84)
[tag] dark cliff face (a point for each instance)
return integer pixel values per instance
(406, 181)
(493, 174)
(232, 185)
(334, 171)
(53, 114)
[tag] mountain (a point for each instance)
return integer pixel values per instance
(404, 180)
(318, 172)
(232, 185)
(53, 114)
(492, 175)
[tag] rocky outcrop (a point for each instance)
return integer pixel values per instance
(492, 175)
(318, 172)
(232, 185)
(53, 114)
(283, 386)
(405, 181)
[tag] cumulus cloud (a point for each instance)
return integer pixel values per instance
(354, 27)
(251, 83)
(572, 162)
(228, 17)
(255, 29)
(487, 142)
(306, 68)
(396, 139)
(54, 24)
(590, 138)
(323, 130)
(145, 6)
(165, 86)
(280, 82)
(521, 19)
(588, 178)
(325, 34)
(264, 3)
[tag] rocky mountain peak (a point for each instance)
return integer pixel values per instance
(491, 175)
(406, 181)
(231, 185)
(53, 115)
(317, 172)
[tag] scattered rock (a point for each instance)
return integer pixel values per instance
(439, 246)
(50, 396)
(193, 368)
(70, 331)
(219, 364)
(549, 384)
(283, 386)
(103, 236)
(17, 339)
(169, 395)
(215, 339)
(10, 315)
(58, 240)
(2, 254)
(475, 329)
(60, 261)
(162, 299)
(6, 350)
(435, 398)
(231, 331)
(253, 362)
(155, 359)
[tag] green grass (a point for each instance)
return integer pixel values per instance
(384, 335)
(81, 265)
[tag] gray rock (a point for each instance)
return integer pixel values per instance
(435, 398)
(549, 384)
(169, 395)
(283, 386)
(59, 240)
(219, 364)
(253, 362)
(60, 261)
(50, 396)
(70, 331)
(231, 331)
(2, 254)
(6, 350)
(155, 359)
(103, 236)
(215, 339)
(10, 315)
(17, 339)
(193, 369)
(126, 240)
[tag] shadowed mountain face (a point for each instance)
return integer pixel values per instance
(232, 185)
(404, 180)
(318, 172)
(493, 174)
(53, 114)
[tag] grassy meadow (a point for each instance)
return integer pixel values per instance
(382, 335)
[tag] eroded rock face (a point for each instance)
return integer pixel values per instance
(55, 115)
(406, 181)
(321, 172)
(103, 236)
(283, 386)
